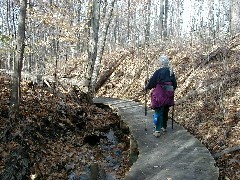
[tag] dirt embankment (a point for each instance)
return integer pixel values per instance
(207, 97)
(60, 136)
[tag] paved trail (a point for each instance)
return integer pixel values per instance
(176, 155)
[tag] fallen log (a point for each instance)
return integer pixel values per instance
(105, 75)
(218, 54)
(226, 151)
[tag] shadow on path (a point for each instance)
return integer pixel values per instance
(176, 155)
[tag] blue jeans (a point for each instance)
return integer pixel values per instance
(162, 113)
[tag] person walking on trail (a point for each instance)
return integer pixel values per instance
(163, 82)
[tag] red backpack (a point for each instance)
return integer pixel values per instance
(162, 95)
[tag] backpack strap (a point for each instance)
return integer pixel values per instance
(167, 86)
(165, 83)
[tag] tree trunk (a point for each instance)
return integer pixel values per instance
(165, 34)
(211, 20)
(161, 19)
(93, 27)
(101, 45)
(147, 25)
(15, 99)
(79, 21)
(116, 31)
(128, 20)
(234, 17)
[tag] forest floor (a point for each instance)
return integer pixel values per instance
(63, 136)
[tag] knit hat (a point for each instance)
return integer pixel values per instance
(164, 61)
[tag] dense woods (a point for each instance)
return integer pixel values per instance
(56, 56)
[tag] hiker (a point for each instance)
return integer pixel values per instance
(163, 83)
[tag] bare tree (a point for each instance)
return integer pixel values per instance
(15, 100)
(165, 28)
(161, 17)
(234, 17)
(128, 19)
(147, 25)
(101, 45)
(93, 28)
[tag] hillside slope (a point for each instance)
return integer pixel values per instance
(207, 98)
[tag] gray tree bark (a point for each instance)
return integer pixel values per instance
(234, 17)
(93, 28)
(147, 25)
(128, 20)
(165, 28)
(101, 45)
(161, 19)
(15, 99)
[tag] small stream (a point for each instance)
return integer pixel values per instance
(114, 145)
(112, 154)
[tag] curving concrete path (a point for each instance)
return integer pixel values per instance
(176, 155)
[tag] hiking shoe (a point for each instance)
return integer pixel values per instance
(164, 129)
(157, 134)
